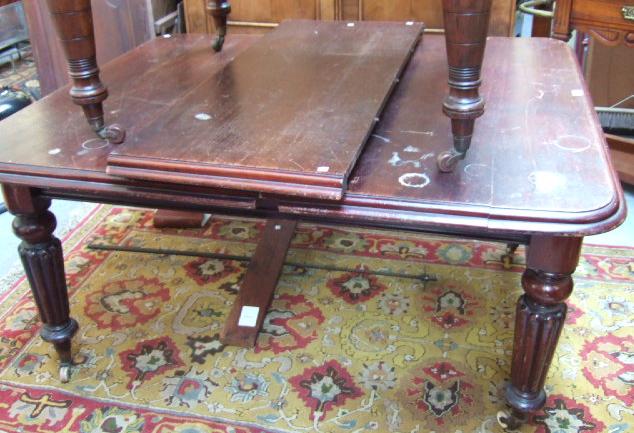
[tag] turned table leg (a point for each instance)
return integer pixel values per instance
(73, 22)
(466, 25)
(540, 315)
(219, 11)
(41, 255)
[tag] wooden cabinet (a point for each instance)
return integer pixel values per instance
(609, 21)
(259, 15)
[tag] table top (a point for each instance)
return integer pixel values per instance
(538, 162)
(274, 120)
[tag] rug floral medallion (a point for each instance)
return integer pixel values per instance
(341, 351)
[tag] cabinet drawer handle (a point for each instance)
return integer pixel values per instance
(628, 12)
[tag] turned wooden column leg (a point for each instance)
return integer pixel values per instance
(219, 11)
(41, 255)
(540, 315)
(73, 22)
(466, 25)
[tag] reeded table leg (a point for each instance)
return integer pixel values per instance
(219, 10)
(540, 315)
(41, 255)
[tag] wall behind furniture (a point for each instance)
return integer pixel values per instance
(257, 15)
(610, 74)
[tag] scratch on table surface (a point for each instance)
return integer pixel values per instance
(396, 161)
(564, 143)
(296, 164)
(87, 145)
(430, 133)
(474, 168)
(147, 101)
(380, 137)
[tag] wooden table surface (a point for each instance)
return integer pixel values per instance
(538, 162)
(274, 119)
(537, 173)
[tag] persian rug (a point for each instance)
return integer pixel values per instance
(341, 351)
(23, 76)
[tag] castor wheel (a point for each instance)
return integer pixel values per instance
(64, 373)
(509, 422)
(448, 160)
(218, 43)
(509, 256)
(114, 134)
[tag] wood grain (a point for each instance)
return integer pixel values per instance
(269, 11)
(604, 19)
(259, 283)
(272, 120)
(520, 181)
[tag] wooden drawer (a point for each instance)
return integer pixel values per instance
(607, 14)
(604, 19)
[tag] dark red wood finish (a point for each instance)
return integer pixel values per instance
(296, 135)
(520, 173)
(466, 25)
(541, 175)
(258, 284)
(168, 218)
(41, 255)
(609, 21)
(73, 21)
(219, 11)
(540, 315)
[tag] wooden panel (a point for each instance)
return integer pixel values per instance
(604, 19)
(119, 27)
(430, 12)
(609, 74)
(259, 283)
(524, 148)
(274, 120)
(539, 162)
(196, 16)
(606, 14)
(255, 12)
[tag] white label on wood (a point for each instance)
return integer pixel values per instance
(248, 316)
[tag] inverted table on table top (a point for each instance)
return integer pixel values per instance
(538, 172)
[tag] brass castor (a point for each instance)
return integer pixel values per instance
(507, 259)
(64, 373)
(448, 160)
(508, 421)
(114, 134)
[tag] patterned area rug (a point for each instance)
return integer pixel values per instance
(340, 352)
(22, 75)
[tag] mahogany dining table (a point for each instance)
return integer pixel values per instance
(539, 174)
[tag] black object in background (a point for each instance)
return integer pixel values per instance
(12, 101)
